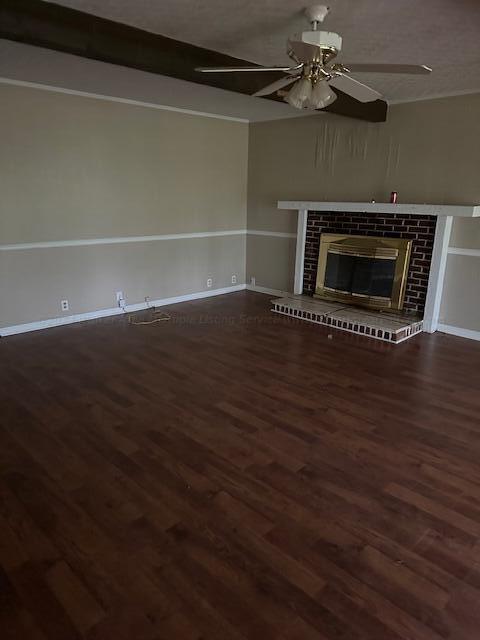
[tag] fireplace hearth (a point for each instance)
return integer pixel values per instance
(387, 326)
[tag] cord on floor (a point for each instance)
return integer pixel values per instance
(164, 318)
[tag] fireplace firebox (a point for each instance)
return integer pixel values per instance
(363, 270)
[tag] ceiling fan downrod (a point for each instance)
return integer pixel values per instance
(316, 14)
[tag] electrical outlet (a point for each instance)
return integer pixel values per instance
(252, 281)
(147, 300)
(64, 305)
(209, 282)
(119, 296)
(234, 279)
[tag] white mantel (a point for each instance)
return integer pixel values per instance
(444, 213)
(455, 210)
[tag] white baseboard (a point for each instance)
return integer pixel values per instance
(458, 331)
(115, 311)
(270, 292)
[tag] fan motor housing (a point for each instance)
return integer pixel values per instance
(311, 45)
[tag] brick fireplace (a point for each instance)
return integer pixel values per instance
(418, 228)
(427, 226)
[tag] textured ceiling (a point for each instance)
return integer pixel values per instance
(443, 34)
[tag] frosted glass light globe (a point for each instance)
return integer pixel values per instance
(300, 93)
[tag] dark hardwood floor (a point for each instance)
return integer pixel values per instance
(236, 475)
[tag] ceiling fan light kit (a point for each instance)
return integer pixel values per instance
(314, 71)
(300, 94)
(308, 94)
(322, 95)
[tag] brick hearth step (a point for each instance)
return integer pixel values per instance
(380, 325)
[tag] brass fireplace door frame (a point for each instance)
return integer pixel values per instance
(367, 246)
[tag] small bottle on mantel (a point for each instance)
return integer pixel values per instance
(394, 197)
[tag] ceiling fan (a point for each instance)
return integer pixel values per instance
(314, 72)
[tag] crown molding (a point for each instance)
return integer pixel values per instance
(437, 96)
(128, 101)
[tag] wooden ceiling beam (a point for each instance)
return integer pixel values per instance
(53, 26)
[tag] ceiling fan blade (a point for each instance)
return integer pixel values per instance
(354, 88)
(275, 86)
(245, 69)
(414, 69)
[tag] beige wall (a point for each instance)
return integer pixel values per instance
(272, 273)
(80, 168)
(427, 151)
(466, 232)
(75, 168)
(461, 293)
(89, 276)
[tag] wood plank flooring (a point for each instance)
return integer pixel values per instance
(233, 474)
